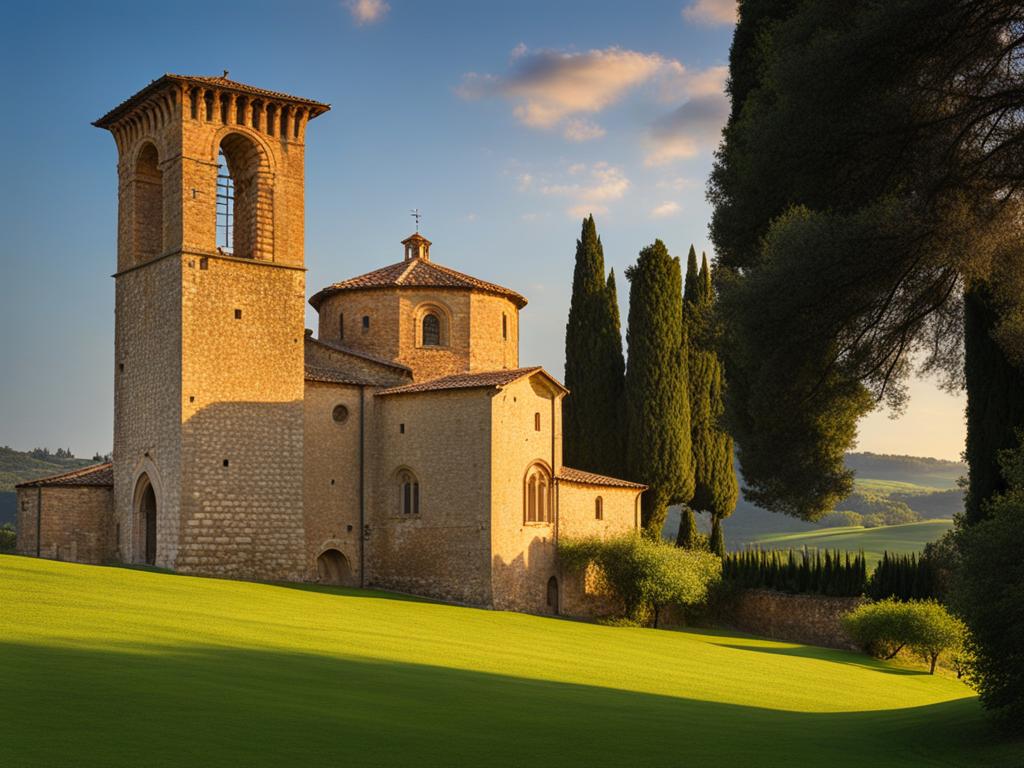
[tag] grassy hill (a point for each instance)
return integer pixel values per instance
(874, 541)
(928, 486)
(111, 666)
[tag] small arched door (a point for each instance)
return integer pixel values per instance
(553, 595)
(332, 568)
(147, 515)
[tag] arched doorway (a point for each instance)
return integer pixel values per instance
(145, 517)
(332, 568)
(553, 595)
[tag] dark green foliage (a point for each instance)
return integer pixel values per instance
(995, 401)
(884, 628)
(902, 577)
(648, 575)
(829, 573)
(715, 486)
(687, 538)
(657, 405)
(988, 593)
(854, 197)
(8, 539)
(594, 365)
(716, 543)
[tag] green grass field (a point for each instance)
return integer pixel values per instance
(112, 666)
(911, 537)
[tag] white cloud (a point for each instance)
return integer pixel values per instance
(550, 87)
(677, 184)
(525, 181)
(666, 209)
(711, 12)
(367, 11)
(580, 129)
(591, 188)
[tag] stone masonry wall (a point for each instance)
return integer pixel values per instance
(522, 553)
(242, 419)
(331, 476)
(444, 551)
(811, 619)
(77, 523)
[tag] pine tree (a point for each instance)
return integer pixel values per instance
(594, 365)
(657, 405)
(715, 486)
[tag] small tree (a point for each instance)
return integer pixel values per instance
(648, 575)
(885, 628)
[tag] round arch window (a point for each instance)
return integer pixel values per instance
(340, 414)
(431, 330)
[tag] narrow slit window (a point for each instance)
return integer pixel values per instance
(341, 326)
(536, 421)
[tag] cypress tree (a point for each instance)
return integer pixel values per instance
(687, 536)
(658, 448)
(594, 366)
(995, 401)
(715, 486)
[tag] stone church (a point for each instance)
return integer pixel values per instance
(401, 446)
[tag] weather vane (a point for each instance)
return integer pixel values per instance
(415, 213)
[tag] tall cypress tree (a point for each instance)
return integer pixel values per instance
(594, 365)
(715, 487)
(658, 448)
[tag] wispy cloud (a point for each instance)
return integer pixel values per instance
(711, 12)
(666, 209)
(579, 129)
(590, 189)
(549, 88)
(367, 11)
(696, 124)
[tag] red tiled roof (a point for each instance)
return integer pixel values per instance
(464, 381)
(415, 273)
(101, 475)
(315, 107)
(571, 475)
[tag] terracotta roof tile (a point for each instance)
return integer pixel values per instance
(464, 381)
(315, 107)
(101, 475)
(416, 273)
(571, 475)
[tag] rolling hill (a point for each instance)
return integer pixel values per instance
(113, 666)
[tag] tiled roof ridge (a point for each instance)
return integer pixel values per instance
(330, 376)
(65, 477)
(475, 380)
(573, 475)
(403, 274)
(358, 353)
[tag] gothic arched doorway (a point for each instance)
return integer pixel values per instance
(145, 517)
(553, 595)
(332, 568)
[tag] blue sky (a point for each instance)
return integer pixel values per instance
(502, 122)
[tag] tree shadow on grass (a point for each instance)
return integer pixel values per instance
(197, 705)
(829, 654)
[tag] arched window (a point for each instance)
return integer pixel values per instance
(245, 221)
(408, 493)
(537, 495)
(599, 508)
(431, 330)
(148, 205)
(536, 421)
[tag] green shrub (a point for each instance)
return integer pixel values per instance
(7, 538)
(925, 627)
(841, 519)
(648, 575)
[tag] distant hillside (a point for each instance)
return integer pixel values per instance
(927, 486)
(19, 466)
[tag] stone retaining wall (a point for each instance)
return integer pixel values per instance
(811, 619)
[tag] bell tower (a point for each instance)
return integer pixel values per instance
(209, 324)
